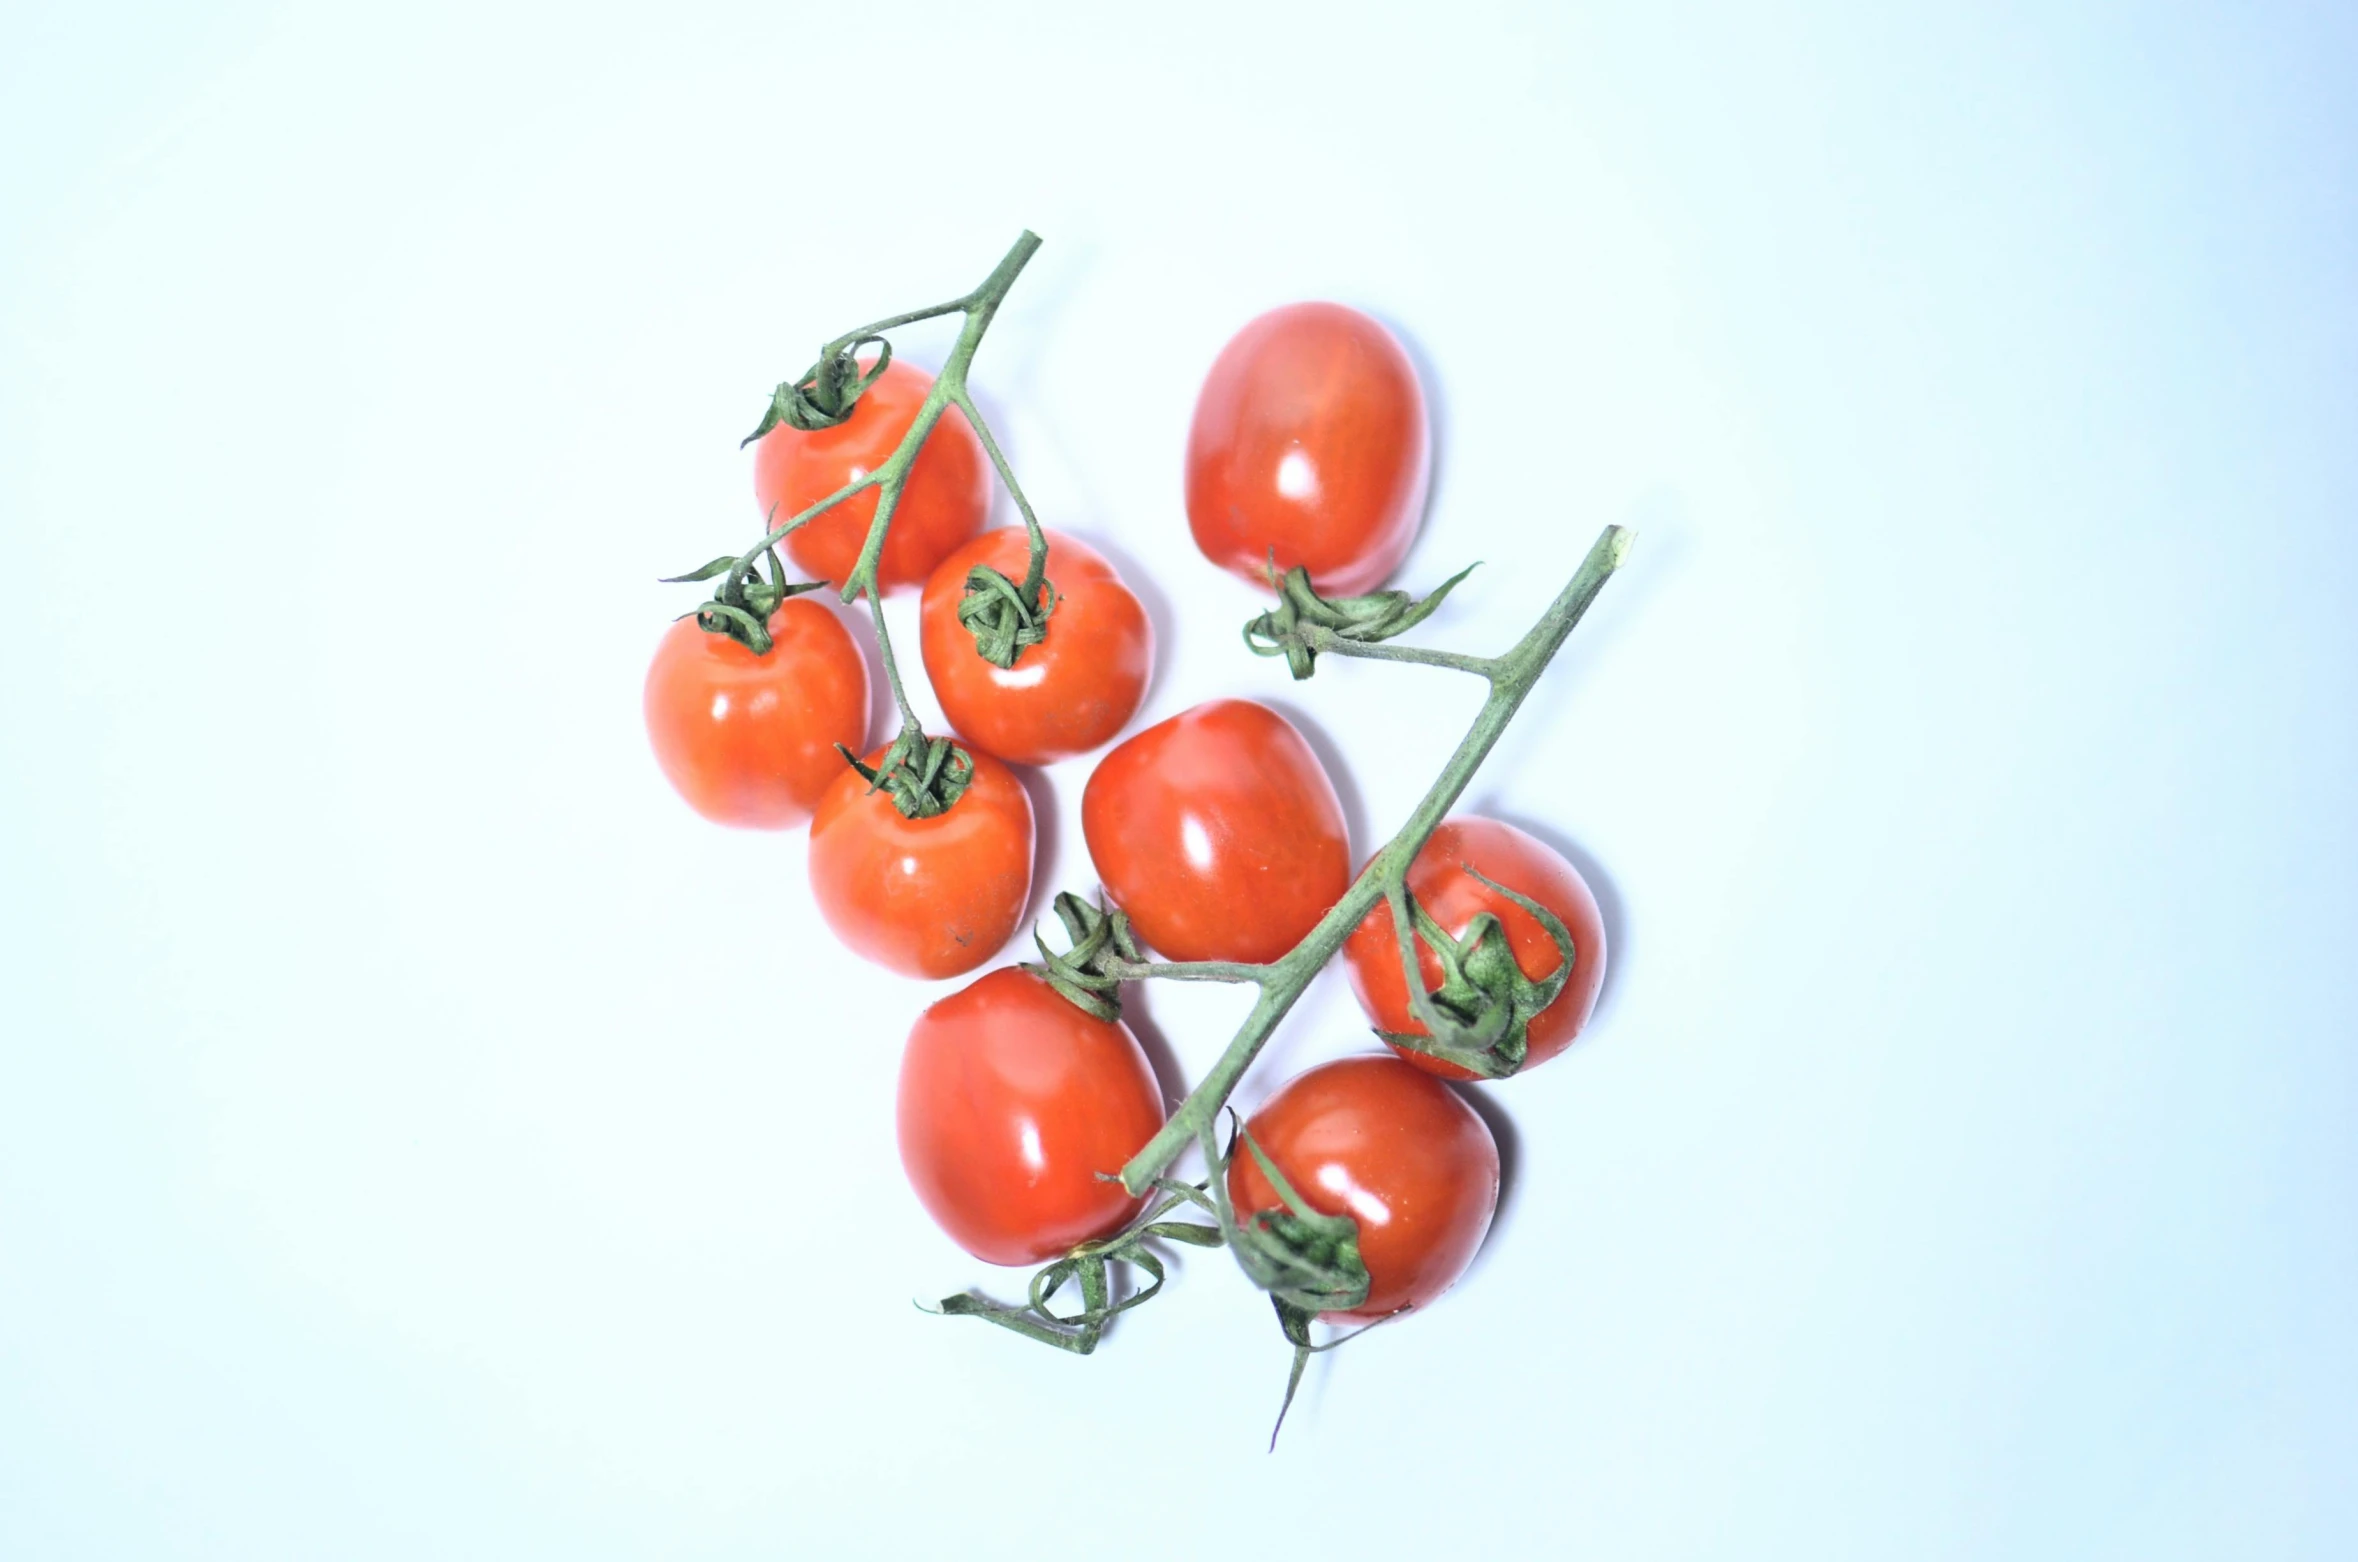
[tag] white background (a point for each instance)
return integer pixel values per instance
(421, 1136)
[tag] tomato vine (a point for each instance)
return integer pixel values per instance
(1475, 1020)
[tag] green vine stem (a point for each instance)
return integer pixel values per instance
(826, 394)
(1282, 982)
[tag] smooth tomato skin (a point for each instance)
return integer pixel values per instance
(1068, 694)
(1440, 883)
(1012, 1102)
(925, 897)
(1218, 832)
(750, 740)
(1310, 438)
(942, 504)
(1394, 1149)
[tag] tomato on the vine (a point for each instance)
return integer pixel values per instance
(1394, 1149)
(1309, 439)
(943, 503)
(1441, 883)
(750, 740)
(1218, 833)
(1065, 695)
(1015, 1109)
(928, 897)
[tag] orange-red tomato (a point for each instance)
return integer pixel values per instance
(1309, 438)
(1068, 694)
(1395, 1150)
(1014, 1107)
(943, 503)
(1218, 832)
(1439, 881)
(750, 740)
(925, 897)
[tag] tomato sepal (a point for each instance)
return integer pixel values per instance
(1304, 623)
(924, 776)
(741, 607)
(1308, 1262)
(1090, 1264)
(1005, 617)
(827, 391)
(1302, 1258)
(1479, 1018)
(1099, 937)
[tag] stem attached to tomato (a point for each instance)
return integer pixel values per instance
(891, 476)
(1005, 617)
(1282, 981)
(949, 386)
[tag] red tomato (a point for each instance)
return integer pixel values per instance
(943, 503)
(1309, 438)
(1218, 832)
(1439, 881)
(1012, 1104)
(1395, 1150)
(1064, 696)
(750, 740)
(925, 897)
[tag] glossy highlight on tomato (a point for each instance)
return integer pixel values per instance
(930, 897)
(1218, 832)
(1014, 1108)
(750, 740)
(1064, 696)
(1309, 439)
(1454, 897)
(944, 502)
(1394, 1149)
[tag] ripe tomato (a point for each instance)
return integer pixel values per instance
(1064, 696)
(1439, 881)
(1309, 438)
(1218, 832)
(925, 897)
(1014, 1105)
(1394, 1149)
(943, 503)
(750, 740)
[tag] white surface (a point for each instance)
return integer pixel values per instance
(420, 1136)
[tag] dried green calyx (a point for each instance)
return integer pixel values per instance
(1479, 1018)
(1302, 619)
(1091, 1265)
(1090, 973)
(741, 605)
(1307, 1261)
(827, 391)
(925, 776)
(1003, 615)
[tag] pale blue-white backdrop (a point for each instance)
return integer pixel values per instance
(420, 1136)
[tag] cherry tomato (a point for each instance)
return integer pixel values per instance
(750, 740)
(1395, 1150)
(943, 503)
(1013, 1106)
(1454, 897)
(925, 897)
(1064, 696)
(1309, 438)
(1218, 832)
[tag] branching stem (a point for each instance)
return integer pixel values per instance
(892, 475)
(1283, 981)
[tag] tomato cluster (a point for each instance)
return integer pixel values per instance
(1217, 836)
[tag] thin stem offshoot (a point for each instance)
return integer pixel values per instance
(1511, 678)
